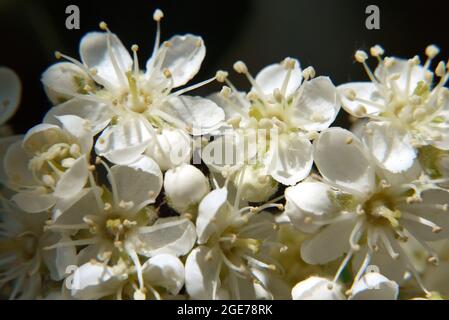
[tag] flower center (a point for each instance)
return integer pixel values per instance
(47, 167)
(380, 210)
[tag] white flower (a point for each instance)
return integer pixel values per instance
(163, 272)
(117, 226)
(24, 263)
(10, 95)
(317, 288)
(232, 260)
(290, 113)
(364, 211)
(406, 110)
(49, 164)
(185, 186)
(109, 89)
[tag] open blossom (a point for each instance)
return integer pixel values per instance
(49, 164)
(232, 260)
(278, 118)
(406, 106)
(116, 224)
(365, 212)
(23, 260)
(130, 106)
(161, 273)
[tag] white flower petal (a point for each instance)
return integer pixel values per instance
(366, 91)
(272, 77)
(166, 271)
(211, 214)
(93, 281)
(73, 180)
(390, 146)
(202, 275)
(42, 136)
(63, 80)
(317, 106)
(139, 182)
(72, 210)
(328, 244)
(342, 159)
(237, 105)
(15, 165)
(124, 142)
(96, 53)
(10, 93)
(34, 202)
(79, 130)
(58, 259)
(98, 114)
(183, 58)
(290, 160)
(309, 199)
(171, 148)
(400, 67)
(174, 236)
(374, 286)
(199, 115)
(317, 288)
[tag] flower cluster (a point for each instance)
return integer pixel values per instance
(134, 188)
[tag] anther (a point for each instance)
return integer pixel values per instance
(221, 76)
(360, 56)
(225, 92)
(309, 73)
(167, 73)
(432, 51)
(240, 67)
(433, 260)
(349, 140)
(158, 15)
(377, 51)
(440, 71)
(289, 63)
(415, 61)
(58, 55)
(134, 47)
(277, 95)
(93, 71)
(103, 26)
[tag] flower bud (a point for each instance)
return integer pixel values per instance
(317, 288)
(171, 148)
(185, 186)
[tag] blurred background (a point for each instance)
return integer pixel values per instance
(321, 33)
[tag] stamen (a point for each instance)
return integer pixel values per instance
(423, 221)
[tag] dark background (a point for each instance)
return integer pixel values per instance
(322, 33)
